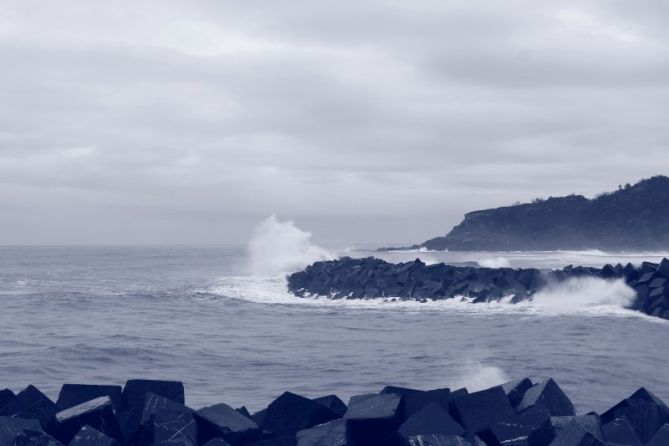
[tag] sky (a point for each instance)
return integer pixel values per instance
(364, 122)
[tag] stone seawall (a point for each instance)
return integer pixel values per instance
(526, 412)
(371, 278)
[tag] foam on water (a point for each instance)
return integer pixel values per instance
(496, 262)
(585, 297)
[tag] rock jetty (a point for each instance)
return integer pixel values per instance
(525, 412)
(372, 278)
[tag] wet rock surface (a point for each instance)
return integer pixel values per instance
(524, 412)
(372, 278)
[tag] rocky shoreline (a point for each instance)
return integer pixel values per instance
(525, 412)
(372, 278)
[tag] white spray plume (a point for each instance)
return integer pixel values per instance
(579, 292)
(476, 376)
(281, 247)
(497, 262)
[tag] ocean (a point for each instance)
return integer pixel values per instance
(199, 314)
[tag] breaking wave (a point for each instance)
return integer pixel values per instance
(281, 247)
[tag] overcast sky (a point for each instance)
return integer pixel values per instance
(379, 121)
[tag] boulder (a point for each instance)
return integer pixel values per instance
(290, 413)
(620, 431)
(479, 410)
(661, 437)
(548, 395)
(332, 433)
(87, 436)
(134, 390)
(432, 419)
(221, 420)
(31, 403)
(73, 394)
(97, 413)
(372, 419)
(333, 403)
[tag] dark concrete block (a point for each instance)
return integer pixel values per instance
(31, 403)
(529, 427)
(223, 421)
(582, 430)
(333, 403)
(74, 394)
(620, 431)
(279, 441)
(373, 419)
(10, 428)
(332, 433)
(244, 411)
(88, 436)
(480, 410)
(141, 414)
(432, 419)
(259, 417)
(35, 438)
(134, 390)
(290, 413)
(548, 395)
(97, 413)
(661, 437)
(437, 440)
(663, 268)
(6, 396)
(169, 425)
(415, 400)
(515, 390)
(645, 412)
(216, 442)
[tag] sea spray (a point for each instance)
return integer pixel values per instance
(281, 247)
(579, 292)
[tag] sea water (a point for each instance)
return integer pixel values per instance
(203, 315)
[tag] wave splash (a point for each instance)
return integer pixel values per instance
(281, 247)
(583, 292)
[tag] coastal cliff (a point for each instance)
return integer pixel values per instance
(635, 217)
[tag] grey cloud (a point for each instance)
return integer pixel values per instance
(370, 121)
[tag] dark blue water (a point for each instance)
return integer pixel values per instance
(106, 314)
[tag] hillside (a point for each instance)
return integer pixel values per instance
(631, 218)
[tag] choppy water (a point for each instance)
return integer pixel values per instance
(102, 315)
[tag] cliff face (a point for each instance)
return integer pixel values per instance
(632, 218)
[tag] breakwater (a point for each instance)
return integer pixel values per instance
(528, 412)
(372, 278)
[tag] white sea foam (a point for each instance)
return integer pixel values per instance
(582, 292)
(591, 297)
(495, 262)
(280, 246)
(477, 376)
